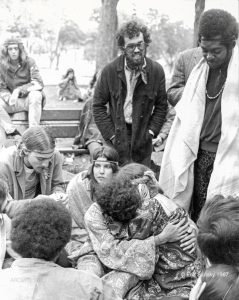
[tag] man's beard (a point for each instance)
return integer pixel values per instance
(132, 64)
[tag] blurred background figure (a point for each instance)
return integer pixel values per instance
(68, 87)
(88, 136)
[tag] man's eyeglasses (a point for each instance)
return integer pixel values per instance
(132, 47)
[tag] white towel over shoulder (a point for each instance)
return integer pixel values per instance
(177, 170)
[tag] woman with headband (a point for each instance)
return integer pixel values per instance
(80, 197)
(132, 209)
(82, 193)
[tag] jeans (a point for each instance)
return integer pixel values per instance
(32, 103)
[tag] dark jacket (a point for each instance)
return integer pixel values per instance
(149, 109)
(88, 132)
(23, 77)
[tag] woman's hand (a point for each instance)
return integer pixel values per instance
(189, 241)
(172, 232)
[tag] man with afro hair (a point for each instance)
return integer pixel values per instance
(205, 133)
(40, 231)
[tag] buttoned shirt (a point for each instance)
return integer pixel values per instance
(131, 80)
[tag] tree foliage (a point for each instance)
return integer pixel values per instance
(106, 43)
(70, 34)
(168, 38)
(54, 35)
(199, 8)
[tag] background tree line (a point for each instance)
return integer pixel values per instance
(42, 37)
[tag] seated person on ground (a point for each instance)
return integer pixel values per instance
(218, 228)
(218, 282)
(39, 232)
(137, 210)
(91, 88)
(20, 85)
(68, 87)
(32, 168)
(80, 191)
(88, 135)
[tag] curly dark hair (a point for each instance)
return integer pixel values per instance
(41, 229)
(218, 22)
(130, 30)
(118, 200)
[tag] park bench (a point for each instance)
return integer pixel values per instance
(62, 117)
(63, 121)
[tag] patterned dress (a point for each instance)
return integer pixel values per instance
(175, 270)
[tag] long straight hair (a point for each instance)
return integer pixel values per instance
(111, 155)
(38, 138)
(5, 58)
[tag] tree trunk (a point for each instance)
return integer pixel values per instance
(106, 44)
(199, 8)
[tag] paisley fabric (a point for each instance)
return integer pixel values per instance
(133, 256)
(134, 276)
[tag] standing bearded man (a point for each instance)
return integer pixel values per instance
(133, 88)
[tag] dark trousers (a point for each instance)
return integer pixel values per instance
(146, 161)
(203, 168)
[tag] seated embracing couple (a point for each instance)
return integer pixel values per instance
(139, 241)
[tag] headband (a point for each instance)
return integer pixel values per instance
(12, 41)
(43, 153)
(109, 161)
